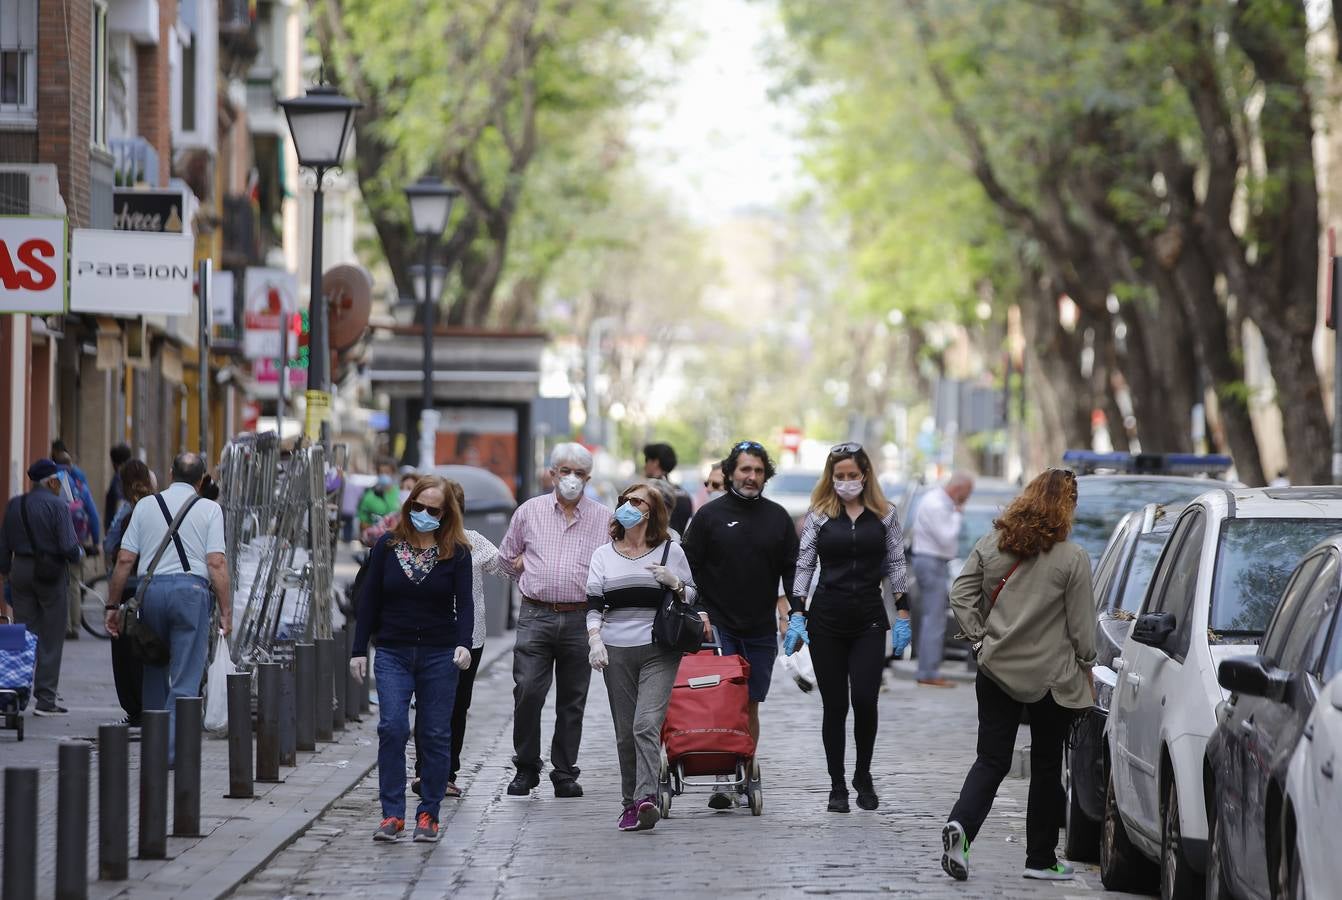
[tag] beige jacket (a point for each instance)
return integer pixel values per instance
(1041, 635)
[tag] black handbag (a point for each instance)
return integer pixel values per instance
(146, 644)
(676, 626)
(47, 569)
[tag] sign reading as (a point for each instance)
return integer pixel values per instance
(32, 264)
(125, 273)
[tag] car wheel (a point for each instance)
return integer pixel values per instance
(1177, 878)
(1122, 866)
(1081, 839)
(1217, 886)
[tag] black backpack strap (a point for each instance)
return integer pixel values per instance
(28, 529)
(176, 541)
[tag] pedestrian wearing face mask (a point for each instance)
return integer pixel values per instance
(418, 608)
(625, 584)
(381, 499)
(853, 533)
(739, 547)
(555, 535)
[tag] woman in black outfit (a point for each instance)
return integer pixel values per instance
(854, 533)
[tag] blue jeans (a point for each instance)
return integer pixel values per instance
(934, 581)
(429, 674)
(760, 652)
(177, 607)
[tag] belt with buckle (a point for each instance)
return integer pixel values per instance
(557, 607)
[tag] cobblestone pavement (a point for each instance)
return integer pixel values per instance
(499, 846)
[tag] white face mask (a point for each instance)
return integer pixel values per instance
(570, 487)
(848, 490)
(713, 495)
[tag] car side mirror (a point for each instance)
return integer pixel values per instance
(1254, 676)
(1153, 629)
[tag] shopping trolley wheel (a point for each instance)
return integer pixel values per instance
(664, 787)
(754, 789)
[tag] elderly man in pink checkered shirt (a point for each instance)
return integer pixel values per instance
(555, 534)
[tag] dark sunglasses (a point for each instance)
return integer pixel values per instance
(749, 445)
(636, 500)
(713, 485)
(1071, 476)
(847, 448)
(435, 511)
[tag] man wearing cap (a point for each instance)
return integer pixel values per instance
(37, 542)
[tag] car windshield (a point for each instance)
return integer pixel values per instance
(793, 483)
(1253, 563)
(1102, 502)
(1143, 564)
(978, 520)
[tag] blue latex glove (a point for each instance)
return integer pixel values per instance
(901, 637)
(796, 634)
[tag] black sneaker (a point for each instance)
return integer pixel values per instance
(567, 789)
(523, 783)
(838, 800)
(866, 792)
(417, 787)
(52, 710)
(720, 801)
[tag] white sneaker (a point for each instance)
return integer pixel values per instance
(1059, 872)
(955, 851)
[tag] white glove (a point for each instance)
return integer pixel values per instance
(462, 658)
(358, 667)
(666, 578)
(597, 656)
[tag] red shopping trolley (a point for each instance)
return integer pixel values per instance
(706, 742)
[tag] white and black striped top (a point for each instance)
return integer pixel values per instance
(622, 594)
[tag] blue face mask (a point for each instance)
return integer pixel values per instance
(423, 522)
(628, 515)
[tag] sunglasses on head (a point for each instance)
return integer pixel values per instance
(749, 445)
(847, 448)
(435, 511)
(1068, 473)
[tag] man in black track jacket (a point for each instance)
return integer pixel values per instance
(739, 546)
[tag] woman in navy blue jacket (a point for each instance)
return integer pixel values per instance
(417, 607)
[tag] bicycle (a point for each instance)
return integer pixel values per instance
(93, 606)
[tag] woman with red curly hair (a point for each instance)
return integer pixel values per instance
(1024, 599)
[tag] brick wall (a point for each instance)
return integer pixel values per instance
(64, 85)
(153, 90)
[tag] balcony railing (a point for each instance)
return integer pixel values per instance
(134, 161)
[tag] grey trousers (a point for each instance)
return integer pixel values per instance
(933, 600)
(639, 682)
(551, 646)
(43, 608)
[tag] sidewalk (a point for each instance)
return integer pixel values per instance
(240, 836)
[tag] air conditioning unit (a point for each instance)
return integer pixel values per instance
(30, 190)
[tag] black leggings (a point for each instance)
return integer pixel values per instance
(461, 706)
(843, 665)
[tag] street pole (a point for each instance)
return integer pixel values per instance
(203, 356)
(1336, 301)
(592, 428)
(283, 383)
(319, 358)
(426, 417)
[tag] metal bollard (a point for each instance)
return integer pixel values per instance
(113, 802)
(339, 678)
(325, 684)
(72, 820)
(268, 722)
(239, 736)
(288, 737)
(353, 713)
(153, 784)
(19, 881)
(305, 696)
(186, 775)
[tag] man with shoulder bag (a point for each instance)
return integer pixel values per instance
(175, 541)
(37, 545)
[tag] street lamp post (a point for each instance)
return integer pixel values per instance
(320, 123)
(430, 208)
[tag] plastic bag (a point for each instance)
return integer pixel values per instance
(798, 665)
(216, 687)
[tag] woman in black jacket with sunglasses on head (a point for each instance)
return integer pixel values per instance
(853, 532)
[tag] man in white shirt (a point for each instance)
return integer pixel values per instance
(177, 601)
(935, 538)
